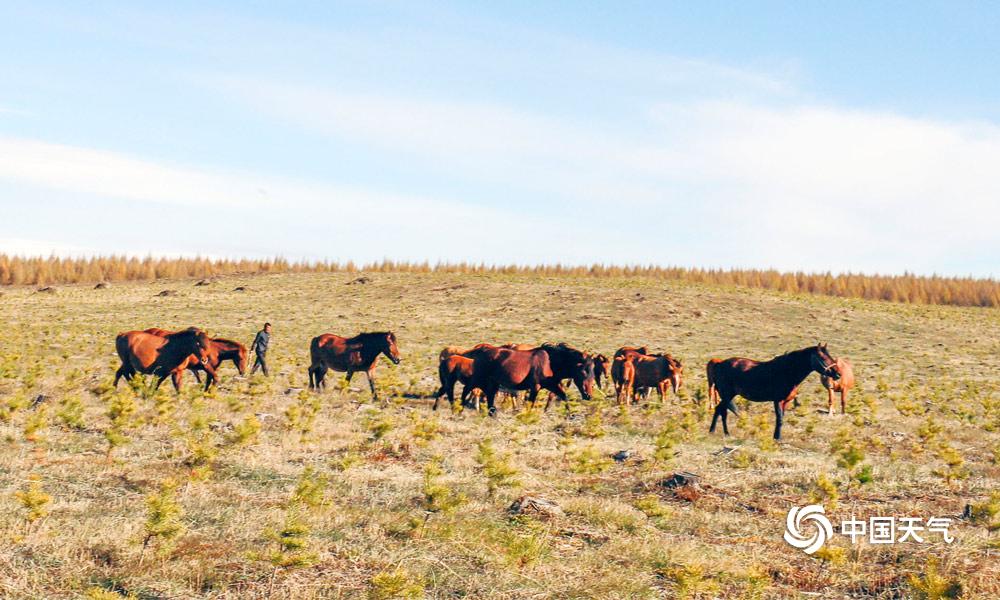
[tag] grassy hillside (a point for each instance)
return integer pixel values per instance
(263, 489)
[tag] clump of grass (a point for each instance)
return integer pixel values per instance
(687, 580)
(593, 426)
(70, 413)
(834, 555)
(36, 424)
(850, 455)
(525, 544)
(424, 429)
(310, 490)
(934, 586)
(528, 416)
(163, 518)
(987, 512)
(665, 443)
(301, 415)
(437, 496)
(11, 405)
(245, 432)
(33, 500)
(929, 431)
(589, 461)
(496, 467)
(825, 492)
(200, 443)
(397, 583)
(121, 411)
(654, 508)
(377, 423)
(98, 593)
(954, 464)
(292, 549)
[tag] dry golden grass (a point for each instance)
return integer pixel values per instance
(907, 288)
(396, 501)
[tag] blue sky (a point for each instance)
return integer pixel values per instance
(816, 136)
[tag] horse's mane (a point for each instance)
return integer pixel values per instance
(787, 357)
(230, 344)
(190, 331)
(368, 337)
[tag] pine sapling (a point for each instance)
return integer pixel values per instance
(163, 518)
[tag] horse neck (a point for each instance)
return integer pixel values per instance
(795, 366)
(369, 352)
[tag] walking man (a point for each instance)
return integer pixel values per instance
(259, 347)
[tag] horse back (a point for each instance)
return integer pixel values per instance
(650, 370)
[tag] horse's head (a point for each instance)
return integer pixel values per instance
(676, 371)
(823, 363)
(602, 367)
(583, 376)
(241, 361)
(390, 349)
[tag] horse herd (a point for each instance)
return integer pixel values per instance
(486, 370)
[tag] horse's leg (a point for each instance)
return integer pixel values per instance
(119, 374)
(726, 406)
(843, 400)
(829, 402)
(715, 418)
(779, 412)
(311, 385)
(197, 376)
(371, 384)
(491, 395)
(210, 377)
(556, 390)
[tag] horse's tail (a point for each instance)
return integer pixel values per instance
(713, 391)
(443, 375)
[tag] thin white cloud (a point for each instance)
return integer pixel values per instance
(794, 186)
(343, 222)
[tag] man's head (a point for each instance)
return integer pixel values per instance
(267, 327)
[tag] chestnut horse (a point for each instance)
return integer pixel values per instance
(629, 353)
(638, 371)
(776, 380)
(842, 385)
(359, 353)
(495, 368)
(219, 350)
(453, 369)
(166, 355)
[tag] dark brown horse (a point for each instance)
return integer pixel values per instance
(219, 351)
(602, 369)
(350, 355)
(776, 380)
(530, 370)
(166, 355)
(569, 363)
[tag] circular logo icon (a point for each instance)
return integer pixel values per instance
(813, 516)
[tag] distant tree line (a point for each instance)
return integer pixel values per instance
(907, 288)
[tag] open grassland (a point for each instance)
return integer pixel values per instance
(263, 489)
